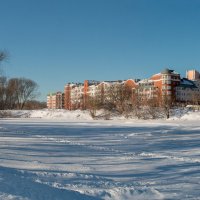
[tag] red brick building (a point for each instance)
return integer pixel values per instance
(55, 100)
(167, 83)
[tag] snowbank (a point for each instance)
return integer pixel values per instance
(61, 114)
(185, 114)
(52, 114)
(191, 116)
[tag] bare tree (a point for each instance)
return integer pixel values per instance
(16, 92)
(3, 55)
(34, 104)
(140, 105)
(119, 97)
(195, 98)
(22, 90)
(94, 104)
(11, 93)
(27, 91)
(167, 103)
(3, 86)
(3, 83)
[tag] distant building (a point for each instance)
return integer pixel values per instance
(77, 95)
(167, 83)
(193, 75)
(187, 91)
(55, 100)
(147, 89)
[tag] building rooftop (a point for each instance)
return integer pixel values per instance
(185, 83)
(167, 71)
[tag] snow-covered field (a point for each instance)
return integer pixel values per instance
(70, 156)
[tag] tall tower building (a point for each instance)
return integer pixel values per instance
(192, 75)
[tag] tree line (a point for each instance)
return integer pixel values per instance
(127, 101)
(17, 93)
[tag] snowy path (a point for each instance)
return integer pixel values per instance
(99, 160)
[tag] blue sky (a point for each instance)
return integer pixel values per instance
(58, 41)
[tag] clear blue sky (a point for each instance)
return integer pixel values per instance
(58, 41)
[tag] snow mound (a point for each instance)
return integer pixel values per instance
(65, 114)
(62, 114)
(53, 114)
(127, 194)
(185, 114)
(178, 114)
(191, 116)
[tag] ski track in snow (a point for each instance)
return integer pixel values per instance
(111, 162)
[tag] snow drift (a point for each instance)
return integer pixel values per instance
(176, 114)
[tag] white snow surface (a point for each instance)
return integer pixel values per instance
(53, 114)
(79, 115)
(58, 155)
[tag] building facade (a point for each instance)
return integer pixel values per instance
(167, 83)
(55, 100)
(192, 75)
(187, 92)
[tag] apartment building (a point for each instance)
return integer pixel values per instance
(167, 83)
(105, 88)
(90, 90)
(146, 89)
(193, 75)
(77, 95)
(55, 100)
(189, 88)
(160, 85)
(187, 91)
(73, 95)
